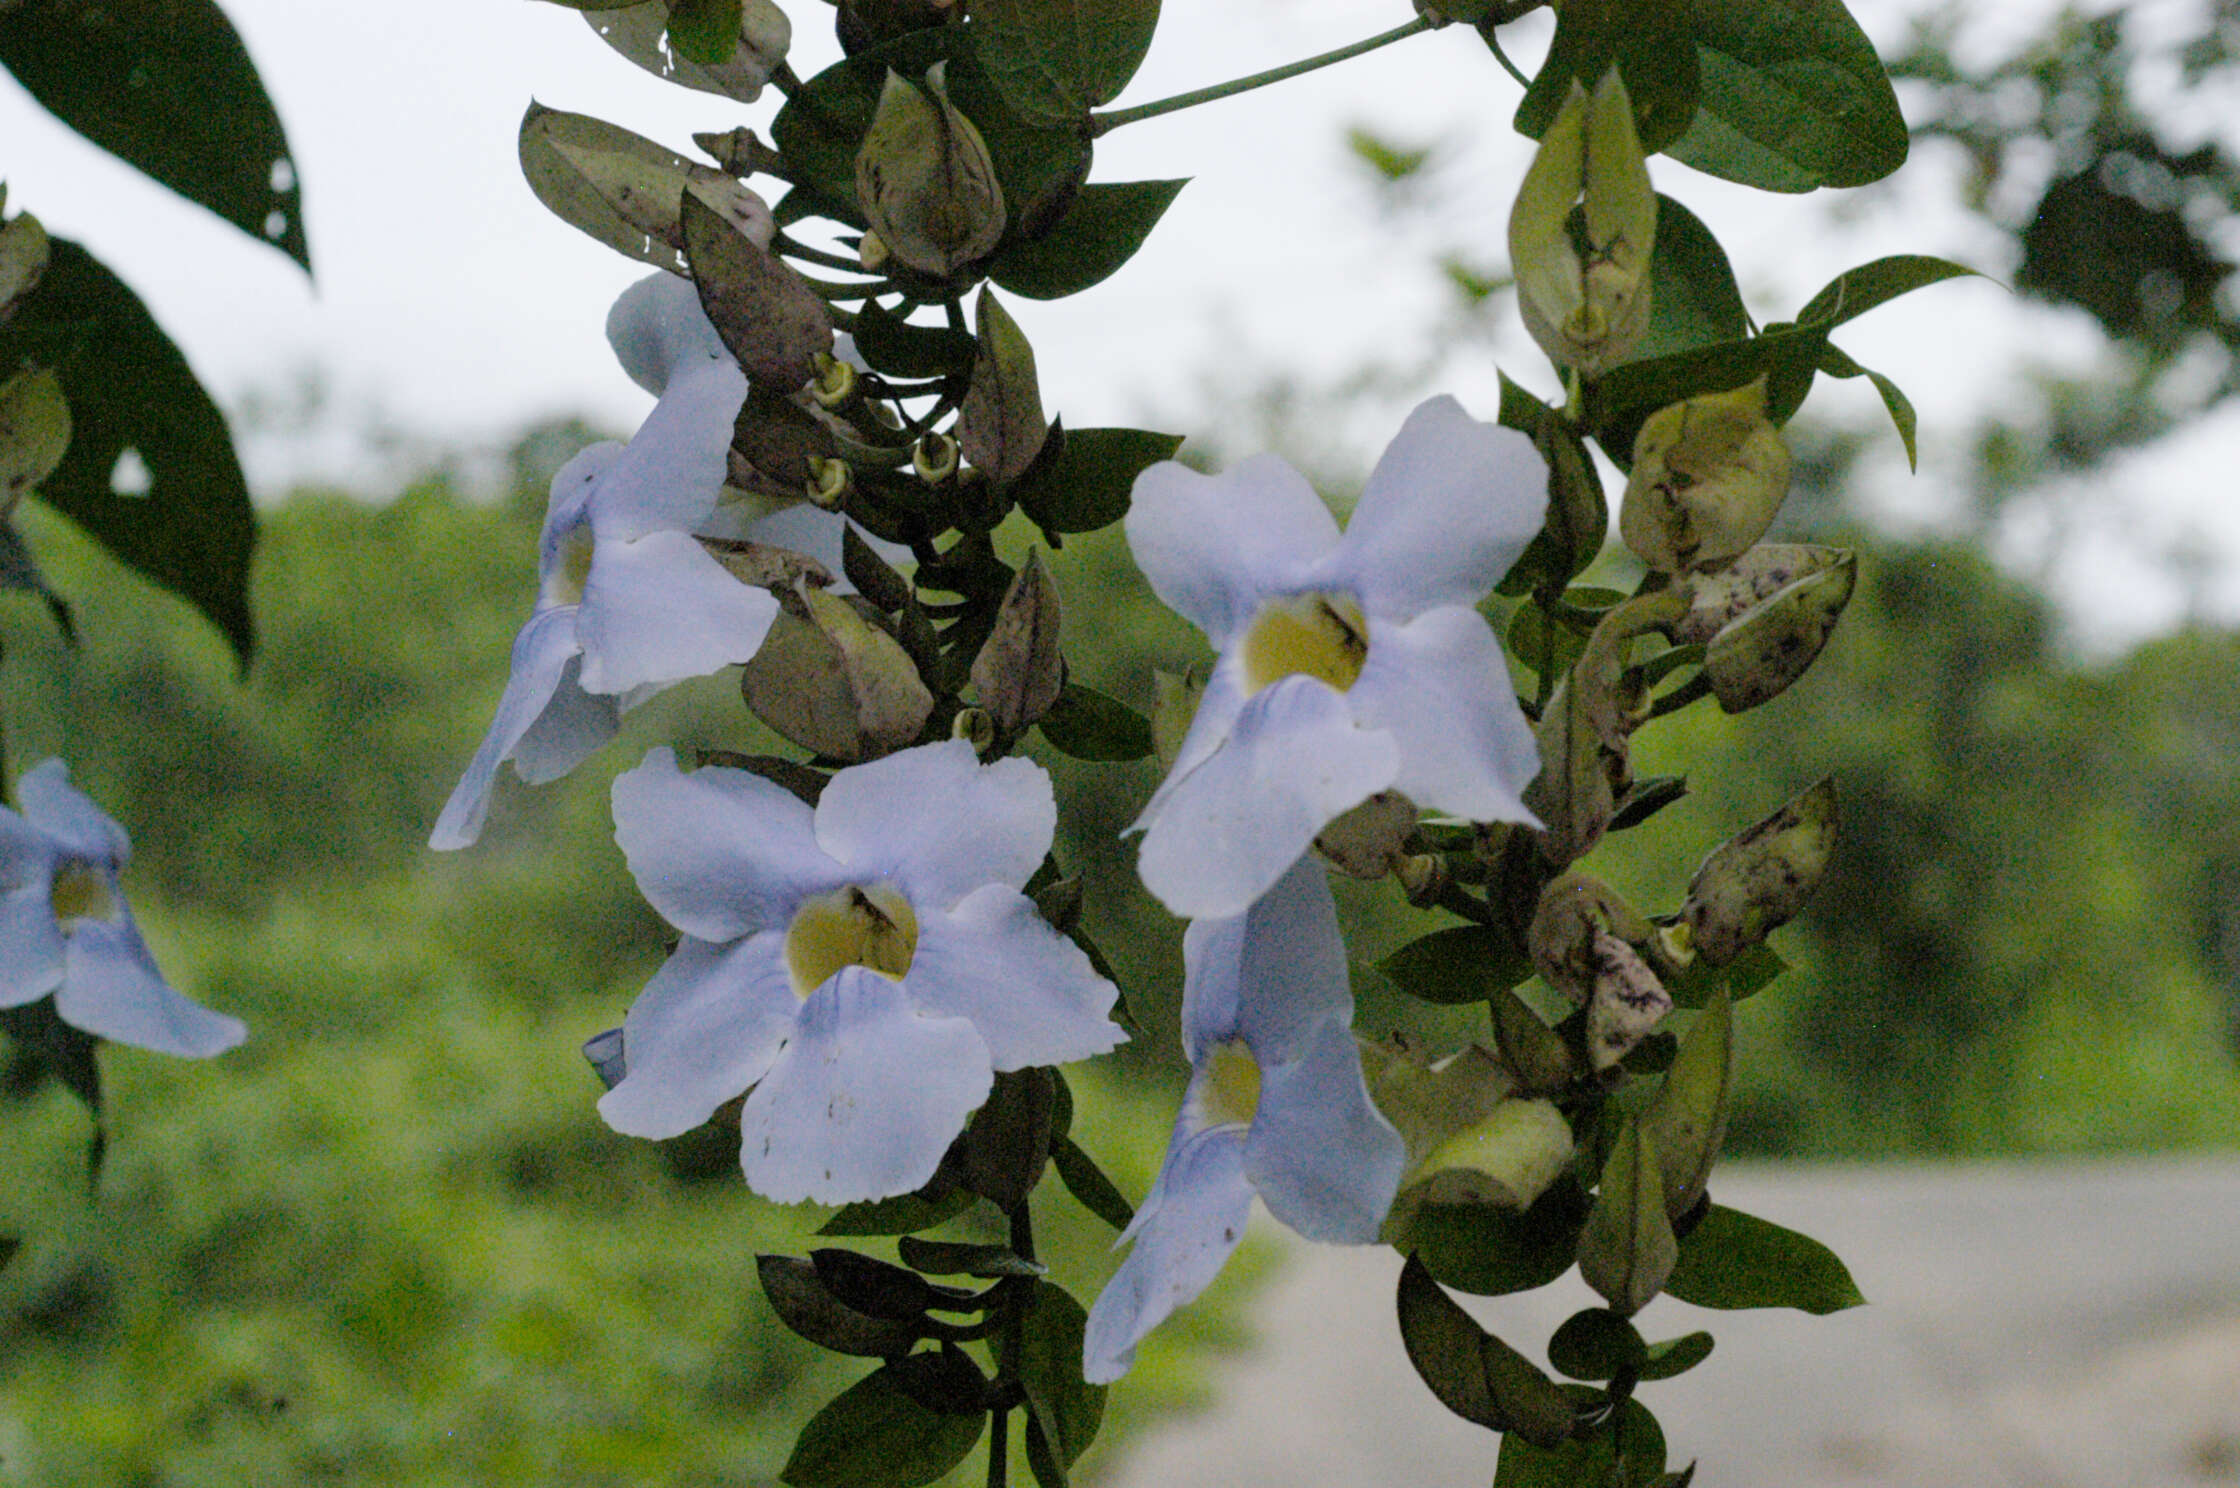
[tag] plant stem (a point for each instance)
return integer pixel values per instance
(999, 1448)
(793, 247)
(1103, 123)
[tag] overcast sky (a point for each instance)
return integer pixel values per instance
(449, 298)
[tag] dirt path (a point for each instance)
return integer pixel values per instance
(2066, 1325)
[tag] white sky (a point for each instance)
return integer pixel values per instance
(450, 300)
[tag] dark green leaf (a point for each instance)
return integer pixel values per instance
(773, 323)
(704, 31)
(875, 1435)
(166, 86)
(1102, 230)
(9, 1245)
(1578, 521)
(1596, 1344)
(1543, 645)
(1675, 1356)
(1693, 300)
(956, 1258)
(896, 347)
(1688, 1115)
(192, 529)
(1054, 60)
(1837, 363)
(1048, 1367)
(19, 571)
(879, 1289)
(1854, 292)
(47, 1048)
(1088, 485)
(1790, 96)
(1648, 41)
(1627, 1248)
(903, 1215)
(1090, 726)
(1443, 1342)
(1627, 1451)
(1732, 1260)
(1008, 1141)
(945, 1380)
(1492, 1252)
(801, 1301)
(1464, 963)
(1087, 1182)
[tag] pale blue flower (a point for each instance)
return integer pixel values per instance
(859, 970)
(1348, 664)
(1276, 1107)
(629, 600)
(66, 930)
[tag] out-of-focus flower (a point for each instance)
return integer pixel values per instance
(1276, 1106)
(1348, 664)
(629, 600)
(860, 970)
(66, 930)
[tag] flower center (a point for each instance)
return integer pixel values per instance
(1231, 1093)
(1318, 635)
(82, 893)
(871, 926)
(571, 569)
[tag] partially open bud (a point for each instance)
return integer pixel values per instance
(1752, 884)
(34, 432)
(1584, 732)
(1174, 705)
(23, 259)
(640, 32)
(1583, 286)
(833, 382)
(1000, 425)
(1582, 940)
(833, 682)
(1709, 475)
(1019, 672)
(1756, 657)
(1629, 1002)
(766, 566)
(925, 180)
(935, 459)
(1366, 842)
(829, 483)
(975, 727)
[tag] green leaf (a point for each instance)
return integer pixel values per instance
(1675, 1356)
(822, 124)
(880, 1289)
(166, 86)
(1492, 1252)
(1790, 96)
(896, 347)
(1054, 60)
(1693, 299)
(1048, 1366)
(1089, 483)
(1540, 644)
(1087, 1182)
(1007, 1142)
(1732, 1260)
(1746, 975)
(1687, 1118)
(1627, 1451)
(1473, 1373)
(704, 31)
(875, 1434)
(1854, 292)
(1647, 796)
(905, 1214)
(1648, 41)
(192, 528)
(18, 570)
(802, 1303)
(580, 167)
(1464, 963)
(1596, 1344)
(1090, 726)
(1627, 1248)
(1102, 230)
(957, 1258)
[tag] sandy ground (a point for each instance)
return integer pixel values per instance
(2068, 1325)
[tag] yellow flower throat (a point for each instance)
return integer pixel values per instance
(871, 926)
(1316, 635)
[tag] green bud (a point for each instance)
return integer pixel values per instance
(1366, 842)
(34, 432)
(1582, 940)
(23, 259)
(1019, 672)
(1585, 730)
(1754, 883)
(871, 252)
(1756, 657)
(1423, 878)
(1629, 1002)
(1709, 475)
(1627, 1248)
(1724, 595)
(1586, 299)
(1000, 424)
(830, 680)
(1174, 704)
(925, 180)
(1506, 1160)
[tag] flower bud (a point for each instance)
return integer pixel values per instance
(975, 727)
(1709, 475)
(1756, 657)
(1366, 841)
(833, 382)
(1506, 1160)
(1000, 424)
(829, 483)
(871, 252)
(1585, 295)
(1725, 595)
(1019, 672)
(1629, 1002)
(1752, 884)
(1582, 941)
(1423, 878)
(833, 682)
(23, 259)
(935, 459)
(34, 432)
(1174, 704)
(925, 180)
